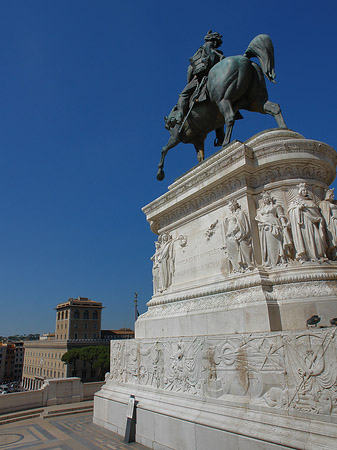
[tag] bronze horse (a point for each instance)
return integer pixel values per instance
(234, 83)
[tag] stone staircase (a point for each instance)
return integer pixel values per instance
(48, 412)
(22, 415)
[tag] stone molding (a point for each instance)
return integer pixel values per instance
(250, 165)
(258, 277)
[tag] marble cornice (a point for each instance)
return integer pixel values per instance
(248, 165)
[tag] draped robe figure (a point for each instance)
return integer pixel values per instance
(273, 231)
(165, 261)
(238, 239)
(155, 269)
(307, 227)
(328, 207)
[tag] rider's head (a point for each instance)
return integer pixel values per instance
(215, 38)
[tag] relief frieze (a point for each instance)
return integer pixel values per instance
(282, 370)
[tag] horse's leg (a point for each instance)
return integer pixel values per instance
(275, 110)
(200, 149)
(226, 110)
(172, 142)
(219, 137)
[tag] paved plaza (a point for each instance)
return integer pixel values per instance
(70, 432)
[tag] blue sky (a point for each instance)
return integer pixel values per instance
(84, 87)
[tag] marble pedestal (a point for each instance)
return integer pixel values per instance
(247, 391)
(204, 294)
(222, 357)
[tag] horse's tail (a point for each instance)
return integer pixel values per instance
(262, 47)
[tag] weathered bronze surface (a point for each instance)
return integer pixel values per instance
(217, 89)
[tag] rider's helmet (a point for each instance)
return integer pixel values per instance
(210, 36)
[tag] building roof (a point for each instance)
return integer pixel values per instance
(80, 301)
(120, 331)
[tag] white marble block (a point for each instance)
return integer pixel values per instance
(245, 391)
(238, 347)
(243, 244)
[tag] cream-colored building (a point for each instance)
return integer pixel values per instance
(78, 318)
(78, 324)
(43, 361)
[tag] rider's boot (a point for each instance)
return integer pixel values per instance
(174, 119)
(180, 110)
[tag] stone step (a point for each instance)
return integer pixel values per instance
(45, 413)
(67, 412)
(72, 408)
(15, 417)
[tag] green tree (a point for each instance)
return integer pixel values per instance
(71, 356)
(102, 362)
(98, 358)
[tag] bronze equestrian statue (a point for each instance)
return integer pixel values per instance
(216, 97)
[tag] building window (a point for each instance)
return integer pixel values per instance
(62, 315)
(94, 336)
(95, 326)
(95, 315)
(75, 335)
(86, 315)
(77, 314)
(85, 335)
(67, 314)
(86, 326)
(75, 325)
(58, 315)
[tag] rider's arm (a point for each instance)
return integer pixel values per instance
(219, 54)
(189, 73)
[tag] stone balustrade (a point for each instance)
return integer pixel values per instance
(56, 391)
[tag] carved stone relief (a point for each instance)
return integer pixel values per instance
(274, 232)
(307, 227)
(211, 230)
(308, 235)
(163, 263)
(282, 370)
(328, 207)
(238, 245)
(155, 269)
(311, 382)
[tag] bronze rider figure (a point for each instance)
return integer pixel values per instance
(200, 64)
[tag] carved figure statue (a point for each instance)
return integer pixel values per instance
(238, 244)
(234, 83)
(328, 208)
(155, 269)
(307, 227)
(165, 261)
(273, 231)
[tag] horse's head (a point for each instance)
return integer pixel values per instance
(166, 119)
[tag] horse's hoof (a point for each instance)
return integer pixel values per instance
(160, 175)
